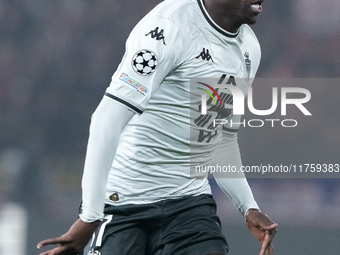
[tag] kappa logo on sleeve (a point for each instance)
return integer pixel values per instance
(157, 34)
(144, 62)
(135, 84)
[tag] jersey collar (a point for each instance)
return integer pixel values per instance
(213, 24)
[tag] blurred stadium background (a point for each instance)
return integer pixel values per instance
(57, 58)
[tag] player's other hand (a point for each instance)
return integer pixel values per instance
(263, 228)
(73, 241)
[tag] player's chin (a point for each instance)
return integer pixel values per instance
(250, 20)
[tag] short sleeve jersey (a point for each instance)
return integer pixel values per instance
(172, 45)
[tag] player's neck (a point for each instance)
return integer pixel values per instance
(222, 16)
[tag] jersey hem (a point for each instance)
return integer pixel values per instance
(142, 201)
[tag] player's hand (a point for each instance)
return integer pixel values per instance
(263, 228)
(73, 241)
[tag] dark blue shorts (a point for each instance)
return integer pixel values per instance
(185, 226)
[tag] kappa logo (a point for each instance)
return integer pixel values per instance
(158, 34)
(205, 55)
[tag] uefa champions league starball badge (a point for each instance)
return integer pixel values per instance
(144, 62)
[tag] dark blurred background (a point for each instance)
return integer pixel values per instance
(56, 59)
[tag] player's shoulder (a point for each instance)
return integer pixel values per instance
(178, 12)
(169, 8)
(249, 35)
(249, 38)
(174, 18)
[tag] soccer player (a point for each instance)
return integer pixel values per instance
(140, 195)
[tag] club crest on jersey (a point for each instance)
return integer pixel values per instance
(158, 34)
(135, 84)
(144, 62)
(205, 55)
(247, 62)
